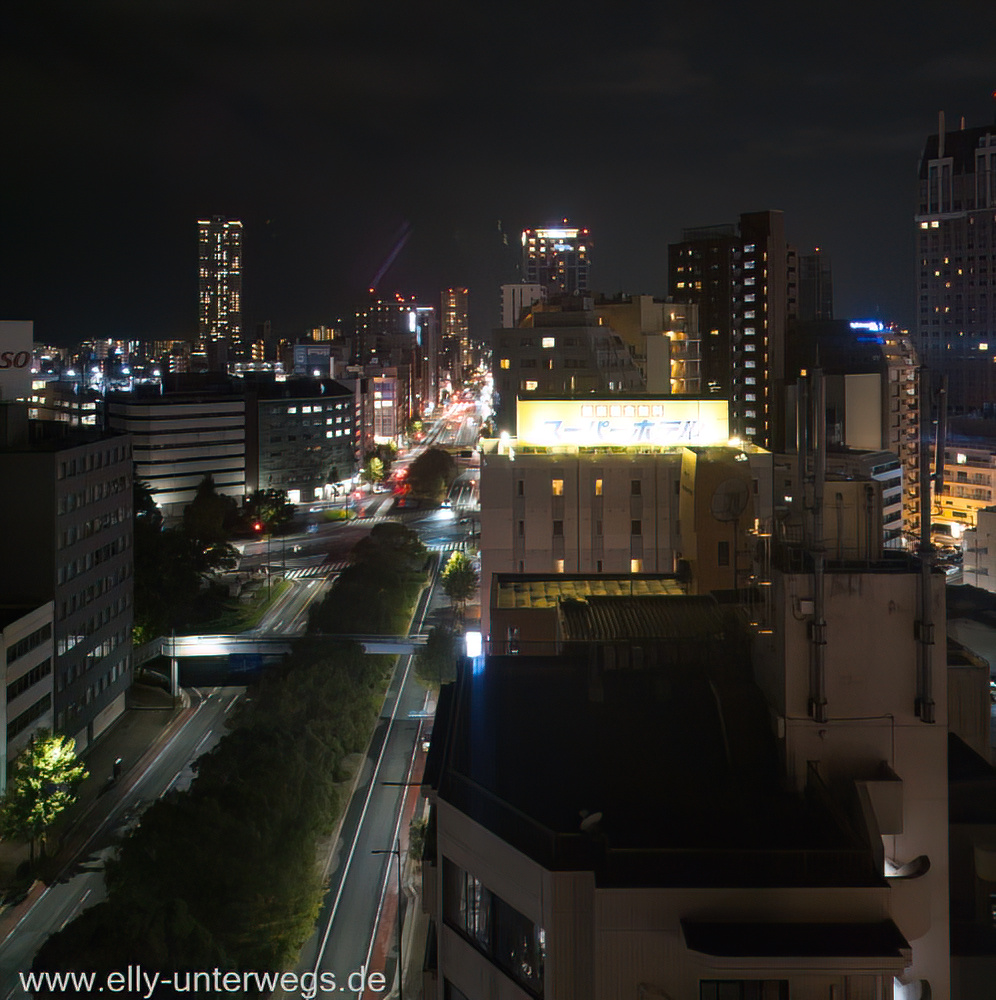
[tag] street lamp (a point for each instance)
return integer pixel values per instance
(396, 851)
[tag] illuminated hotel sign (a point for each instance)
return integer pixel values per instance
(619, 423)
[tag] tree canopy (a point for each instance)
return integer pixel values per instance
(431, 473)
(271, 507)
(459, 579)
(46, 775)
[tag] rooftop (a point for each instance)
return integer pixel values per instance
(676, 772)
(525, 590)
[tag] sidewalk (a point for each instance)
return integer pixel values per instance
(148, 721)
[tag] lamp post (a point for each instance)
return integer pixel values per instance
(396, 851)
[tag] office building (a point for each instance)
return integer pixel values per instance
(559, 351)
(979, 546)
(955, 224)
(871, 387)
(455, 354)
(662, 336)
(71, 541)
(194, 429)
(401, 335)
(558, 259)
(518, 299)
(300, 436)
(220, 338)
(26, 655)
(743, 279)
(815, 287)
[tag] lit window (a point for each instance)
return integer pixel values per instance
(505, 363)
(558, 565)
(935, 224)
(530, 386)
(636, 565)
(598, 487)
(558, 487)
(961, 459)
(292, 409)
(924, 225)
(548, 342)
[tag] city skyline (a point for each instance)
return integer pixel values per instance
(338, 142)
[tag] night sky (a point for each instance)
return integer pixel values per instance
(338, 130)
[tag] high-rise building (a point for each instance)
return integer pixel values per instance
(743, 278)
(220, 290)
(557, 258)
(71, 541)
(956, 262)
(455, 352)
(815, 286)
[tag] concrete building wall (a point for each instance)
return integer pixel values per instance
(871, 691)
(178, 441)
(608, 942)
(26, 656)
(73, 509)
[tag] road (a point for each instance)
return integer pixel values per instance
(347, 924)
(81, 885)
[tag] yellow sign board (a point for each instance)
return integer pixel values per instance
(619, 423)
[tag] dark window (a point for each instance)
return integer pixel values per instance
(522, 528)
(32, 641)
(506, 937)
(37, 710)
(723, 553)
(520, 487)
(32, 677)
(636, 527)
(743, 989)
(635, 487)
(558, 528)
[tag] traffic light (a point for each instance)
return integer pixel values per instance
(257, 526)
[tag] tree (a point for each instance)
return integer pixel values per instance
(44, 783)
(272, 507)
(435, 664)
(460, 580)
(431, 473)
(211, 516)
(373, 471)
(144, 503)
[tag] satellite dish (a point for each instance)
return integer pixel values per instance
(590, 821)
(730, 499)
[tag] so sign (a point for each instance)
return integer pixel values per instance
(16, 339)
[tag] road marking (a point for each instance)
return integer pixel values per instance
(426, 595)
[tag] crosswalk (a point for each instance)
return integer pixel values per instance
(327, 568)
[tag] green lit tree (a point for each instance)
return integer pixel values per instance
(459, 580)
(373, 471)
(44, 783)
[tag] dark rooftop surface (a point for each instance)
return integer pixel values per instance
(682, 768)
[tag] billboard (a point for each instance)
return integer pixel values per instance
(620, 422)
(16, 342)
